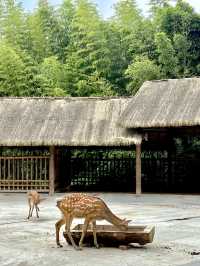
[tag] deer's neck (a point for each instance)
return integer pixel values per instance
(112, 218)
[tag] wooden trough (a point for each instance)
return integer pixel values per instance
(108, 235)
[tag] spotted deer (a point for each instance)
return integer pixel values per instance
(33, 201)
(92, 208)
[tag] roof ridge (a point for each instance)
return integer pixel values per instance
(69, 98)
(163, 80)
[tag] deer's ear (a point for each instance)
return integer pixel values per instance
(128, 221)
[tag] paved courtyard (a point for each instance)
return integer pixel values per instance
(32, 243)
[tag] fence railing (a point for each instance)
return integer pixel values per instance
(180, 175)
(24, 173)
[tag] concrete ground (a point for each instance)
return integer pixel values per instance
(32, 243)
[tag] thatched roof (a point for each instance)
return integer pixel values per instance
(165, 103)
(63, 121)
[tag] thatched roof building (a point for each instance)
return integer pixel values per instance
(167, 114)
(164, 103)
(63, 121)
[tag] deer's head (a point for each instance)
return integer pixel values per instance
(58, 203)
(124, 224)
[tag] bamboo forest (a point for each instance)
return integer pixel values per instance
(71, 50)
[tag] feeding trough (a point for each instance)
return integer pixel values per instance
(109, 235)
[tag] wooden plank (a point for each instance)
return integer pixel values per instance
(138, 170)
(27, 172)
(31, 175)
(23, 157)
(4, 168)
(0, 168)
(23, 180)
(21, 190)
(8, 171)
(13, 171)
(52, 171)
(4, 185)
(36, 168)
(45, 168)
(22, 169)
(40, 170)
(18, 170)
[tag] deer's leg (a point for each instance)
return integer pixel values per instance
(29, 204)
(67, 227)
(95, 234)
(29, 213)
(58, 226)
(85, 227)
(36, 209)
(32, 211)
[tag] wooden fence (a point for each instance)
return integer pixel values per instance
(22, 173)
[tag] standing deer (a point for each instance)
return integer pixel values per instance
(33, 201)
(91, 208)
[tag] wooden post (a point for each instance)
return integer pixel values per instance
(138, 170)
(170, 185)
(52, 171)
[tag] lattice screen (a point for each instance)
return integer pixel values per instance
(101, 170)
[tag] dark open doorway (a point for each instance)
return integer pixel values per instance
(172, 166)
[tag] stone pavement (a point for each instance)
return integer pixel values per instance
(197, 263)
(32, 243)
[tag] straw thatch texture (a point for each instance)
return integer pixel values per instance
(167, 103)
(63, 121)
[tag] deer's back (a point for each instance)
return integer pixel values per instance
(33, 197)
(81, 206)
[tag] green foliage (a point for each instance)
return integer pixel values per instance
(173, 20)
(12, 72)
(167, 58)
(140, 70)
(52, 77)
(65, 17)
(87, 56)
(13, 23)
(44, 32)
(72, 50)
(127, 14)
(125, 41)
(182, 46)
(156, 5)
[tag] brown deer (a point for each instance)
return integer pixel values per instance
(91, 208)
(33, 201)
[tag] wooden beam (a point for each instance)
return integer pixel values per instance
(52, 171)
(138, 170)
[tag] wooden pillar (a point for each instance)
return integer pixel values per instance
(52, 171)
(138, 170)
(170, 185)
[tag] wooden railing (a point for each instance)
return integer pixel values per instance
(24, 173)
